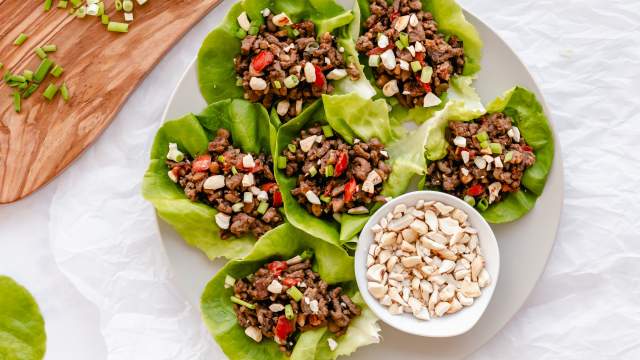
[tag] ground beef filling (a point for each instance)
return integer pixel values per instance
(248, 197)
(410, 58)
(266, 290)
(486, 159)
(333, 176)
(287, 66)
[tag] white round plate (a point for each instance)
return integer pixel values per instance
(524, 245)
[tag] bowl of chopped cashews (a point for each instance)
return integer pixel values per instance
(427, 263)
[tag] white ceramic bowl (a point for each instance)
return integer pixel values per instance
(448, 325)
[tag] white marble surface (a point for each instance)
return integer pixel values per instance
(585, 54)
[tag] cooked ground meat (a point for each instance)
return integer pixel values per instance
(334, 176)
(486, 158)
(273, 62)
(405, 48)
(320, 305)
(216, 178)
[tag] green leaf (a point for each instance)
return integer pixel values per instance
(250, 128)
(334, 266)
(22, 332)
(355, 117)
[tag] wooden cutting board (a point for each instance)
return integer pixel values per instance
(101, 69)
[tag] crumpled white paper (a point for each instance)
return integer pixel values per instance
(585, 55)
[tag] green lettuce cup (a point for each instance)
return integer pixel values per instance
(250, 130)
(528, 115)
(284, 242)
(22, 332)
(217, 76)
(351, 117)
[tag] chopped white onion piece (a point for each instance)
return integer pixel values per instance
(431, 100)
(312, 197)
(460, 141)
(222, 220)
(310, 72)
(388, 59)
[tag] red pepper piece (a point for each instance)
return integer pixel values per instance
(277, 199)
(257, 167)
(320, 80)
(379, 50)
(277, 267)
(341, 165)
(527, 148)
(262, 60)
(420, 57)
(268, 186)
(290, 282)
(283, 328)
(424, 85)
(201, 163)
(475, 190)
(349, 190)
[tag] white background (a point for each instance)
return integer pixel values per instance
(585, 56)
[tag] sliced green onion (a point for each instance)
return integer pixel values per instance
(49, 48)
(30, 90)
(81, 12)
(50, 92)
(277, 84)
(254, 29)
(399, 44)
(483, 204)
(64, 91)
(20, 39)
(118, 27)
(327, 131)
(294, 293)
(242, 303)
(100, 8)
(62, 4)
(41, 54)
(234, 170)
(282, 162)
(262, 208)
(426, 74)
(118, 5)
(292, 148)
(17, 78)
(17, 105)
(241, 34)
(57, 71)
(482, 136)
(127, 5)
(291, 81)
(404, 39)
(47, 5)
(229, 281)
(374, 60)
(328, 171)
(76, 3)
(105, 19)
(416, 66)
(508, 156)
(313, 171)
(288, 312)
(470, 200)
(496, 148)
(28, 75)
(221, 158)
(484, 144)
(42, 70)
(22, 86)
(325, 198)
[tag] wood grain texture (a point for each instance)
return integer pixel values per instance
(101, 70)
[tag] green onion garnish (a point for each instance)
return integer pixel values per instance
(105, 19)
(20, 39)
(62, 4)
(399, 44)
(49, 48)
(16, 102)
(242, 303)
(425, 75)
(292, 148)
(50, 92)
(30, 90)
(221, 158)
(404, 39)
(229, 281)
(118, 27)
(81, 12)
(17, 78)
(276, 84)
(483, 204)
(482, 136)
(313, 171)
(416, 66)
(127, 5)
(241, 34)
(28, 75)
(262, 208)
(100, 9)
(484, 144)
(325, 198)
(234, 170)
(328, 171)
(76, 3)
(508, 156)
(42, 70)
(47, 5)
(288, 312)
(470, 200)
(496, 148)
(64, 91)
(291, 81)
(57, 71)
(282, 162)
(327, 131)
(41, 54)
(294, 293)
(118, 5)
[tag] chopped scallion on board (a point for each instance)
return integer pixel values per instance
(47, 5)
(118, 27)
(17, 104)
(57, 71)
(105, 19)
(64, 91)
(30, 90)
(49, 48)
(50, 92)
(127, 5)
(62, 4)
(42, 70)
(76, 3)
(41, 54)
(118, 5)
(28, 74)
(20, 39)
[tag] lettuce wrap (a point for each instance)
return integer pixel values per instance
(250, 130)
(334, 266)
(216, 71)
(351, 117)
(528, 115)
